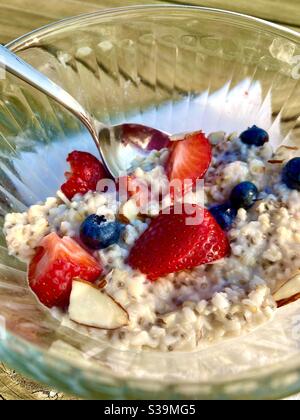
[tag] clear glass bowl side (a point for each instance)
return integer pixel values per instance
(175, 69)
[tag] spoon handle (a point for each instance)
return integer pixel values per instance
(19, 68)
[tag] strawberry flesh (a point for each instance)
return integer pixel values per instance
(189, 159)
(56, 263)
(86, 172)
(170, 244)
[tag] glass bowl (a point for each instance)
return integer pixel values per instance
(176, 69)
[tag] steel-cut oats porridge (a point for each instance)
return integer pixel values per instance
(189, 308)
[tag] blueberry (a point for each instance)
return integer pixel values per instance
(224, 215)
(254, 136)
(291, 174)
(97, 233)
(244, 195)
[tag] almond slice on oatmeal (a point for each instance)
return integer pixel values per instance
(275, 161)
(129, 210)
(92, 307)
(289, 292)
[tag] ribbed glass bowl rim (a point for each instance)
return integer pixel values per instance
(20, 353)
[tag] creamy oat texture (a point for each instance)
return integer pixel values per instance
(190, 309)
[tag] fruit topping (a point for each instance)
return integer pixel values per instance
(97, 233)
(244, 195)
(254, 136)
(224, 214)
(86, 172)
(189, 159)
(291, 174)
(171, 244)
(56, 263)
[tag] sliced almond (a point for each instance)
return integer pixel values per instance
(290, 147)
(129, 210)
(121, 218)
(217, 137)
(275, 161)
(289, 291)
(102, 284)
(92, 307)
(285, 302)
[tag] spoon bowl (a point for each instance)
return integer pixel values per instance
(118, 145)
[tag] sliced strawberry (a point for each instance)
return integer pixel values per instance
(56, 263)
(170, 244)
(189, 159)
(86, 172)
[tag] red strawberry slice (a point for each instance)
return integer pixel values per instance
(170, 244)
(56, 263)
(189, 159)
(86, 172)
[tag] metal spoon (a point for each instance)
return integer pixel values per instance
(118, 145)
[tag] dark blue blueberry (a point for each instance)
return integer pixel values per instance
(291, 174)
(97, 233)
(244, 195)
(224, 215)
(254, 136)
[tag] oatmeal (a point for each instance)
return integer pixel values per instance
(191, 307)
